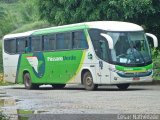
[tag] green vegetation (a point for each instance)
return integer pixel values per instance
(156, 75)
(32, 26)
(16, 13)
(2, 83)
(3, 117)
(142, 12)
(1, 61)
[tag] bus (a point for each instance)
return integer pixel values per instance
(90, 53)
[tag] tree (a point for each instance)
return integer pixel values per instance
(28, 10)
(8, 1)
(15, 13)
(68, 11)
(142, 12)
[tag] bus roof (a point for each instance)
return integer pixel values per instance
(104, 25)
(24, 34)
(115, 26)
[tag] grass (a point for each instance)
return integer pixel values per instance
(2, 83)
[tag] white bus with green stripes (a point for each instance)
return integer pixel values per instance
(91, 53)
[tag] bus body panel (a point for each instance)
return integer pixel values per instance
(10, 63)
(51, 67)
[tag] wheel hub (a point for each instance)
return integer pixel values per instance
(27, 81)
(88, 80)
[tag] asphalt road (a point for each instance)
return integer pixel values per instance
(138, 99)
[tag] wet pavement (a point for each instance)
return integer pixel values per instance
(19, 103)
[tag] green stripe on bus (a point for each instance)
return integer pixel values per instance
(134, 69)
(60, 29)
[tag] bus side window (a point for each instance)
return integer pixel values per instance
(95, 37)
(63, 41)
(100, 44)
(49, 42)
(103, 47)
(75, 40)
(36, 43)
(60, 41)
(21, 45)
(67, 40)
(10, 46)
(79, 40)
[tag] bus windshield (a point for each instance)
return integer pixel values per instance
(130, 48)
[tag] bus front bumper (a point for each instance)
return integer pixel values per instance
(116, 79)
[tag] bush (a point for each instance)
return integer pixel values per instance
(3, 117)
(156, 63)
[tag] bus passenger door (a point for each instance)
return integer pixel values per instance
(104, 72)
(103, 65)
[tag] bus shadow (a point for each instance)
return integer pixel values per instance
(116, 89)
(83, 89)
(107, 89)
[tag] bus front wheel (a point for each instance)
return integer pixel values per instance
(28, 82)
(123, 86)
(88, 81)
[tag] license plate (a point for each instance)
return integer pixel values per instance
(136, 78)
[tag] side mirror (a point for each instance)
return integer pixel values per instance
(109, 39)
(155, 40)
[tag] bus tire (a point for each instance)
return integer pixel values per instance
(28, 82)
(58, 86)
(88, 81)
(123, 86)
